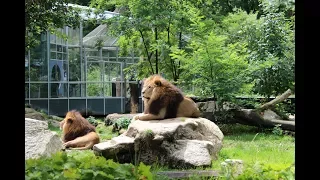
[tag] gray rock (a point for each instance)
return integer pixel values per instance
(178, 142)
(29, 110)
(35, 115)
(39, 141)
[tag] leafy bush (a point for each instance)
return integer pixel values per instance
(122, 123)
(84, 166)
(277, 130)
(92, 120)
(261, 172)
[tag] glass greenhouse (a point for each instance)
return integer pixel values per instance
(61, 75)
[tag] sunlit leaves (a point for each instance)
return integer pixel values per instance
(85, 166)
(45, 15)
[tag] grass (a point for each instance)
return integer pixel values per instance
(105, 132)
(275, 151)
(54, 128)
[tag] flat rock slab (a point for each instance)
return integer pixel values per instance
(177, 142)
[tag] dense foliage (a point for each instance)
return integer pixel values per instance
(234, 48)
(43, 15)
(82, 166)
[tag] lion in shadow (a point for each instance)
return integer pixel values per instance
(77, 132)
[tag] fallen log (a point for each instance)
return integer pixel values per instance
(252, 117)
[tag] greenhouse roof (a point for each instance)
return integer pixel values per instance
(85, 15)
(99, 34)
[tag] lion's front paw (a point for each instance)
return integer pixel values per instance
(66, 144)
(136, 117)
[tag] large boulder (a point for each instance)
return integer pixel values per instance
(39, 141)
(29, 110)
(35, 115)
(177, 143)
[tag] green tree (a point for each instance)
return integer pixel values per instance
(150, 29)
(274, 43)
(270, 47)
(43, 15)
(213, 66)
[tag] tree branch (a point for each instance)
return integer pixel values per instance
(148, 55)
(280, 98)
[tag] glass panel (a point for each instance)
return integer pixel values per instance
(92, 52)
(58, 39)
(65, 70)
(58, 90)
(58, 107)
(108, 89)
(26, 90)
(38, 63)
(78, 104)
(77, 90)
(52, 38)
(95, 71)
(53, 55)
(112, 70)
(59, 56)
(112, 53)
(56, 70)
(53, 47)
(64, 56)
(95, 107)
(38, 90)
(95, 89)
(74, 64)
(59, 48)
(26, 67)
(73, 36)
(113, 105)
(40, 104)
(105, 54)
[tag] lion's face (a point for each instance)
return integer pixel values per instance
(68, 120)
(147, 91)
(149, 85)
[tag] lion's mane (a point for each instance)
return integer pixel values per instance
(161, 95)
(76, 126)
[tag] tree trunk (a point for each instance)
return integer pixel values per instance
(253, 118)
(134, 99)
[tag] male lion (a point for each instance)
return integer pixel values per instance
(163, 100)
(77, 132)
